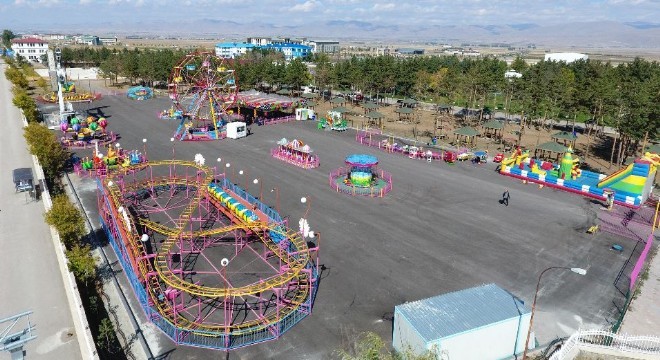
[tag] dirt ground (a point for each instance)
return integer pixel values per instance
(421, 126)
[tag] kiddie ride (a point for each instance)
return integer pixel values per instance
(171, 114)
(115, 159)
(333, 121)
(631, 185)
(81, 133)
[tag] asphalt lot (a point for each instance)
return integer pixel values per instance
(441, 229)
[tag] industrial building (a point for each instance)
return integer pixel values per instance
(480, 323)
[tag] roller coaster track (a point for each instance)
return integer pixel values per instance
(296, 262)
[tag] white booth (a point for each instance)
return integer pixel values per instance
(304, 114)
(236, 130)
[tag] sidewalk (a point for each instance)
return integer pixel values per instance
(29, 272)
(643, 316)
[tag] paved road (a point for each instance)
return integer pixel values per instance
(440, 230)
(29, 274)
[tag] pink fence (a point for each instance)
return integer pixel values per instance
(279, 120)
(368, 139)
(639, 265)
(310, 162)
(362, 191)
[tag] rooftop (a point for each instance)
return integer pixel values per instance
(28, 41)
(457, 312)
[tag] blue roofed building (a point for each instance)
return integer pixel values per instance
(481, 323)
(231, 50)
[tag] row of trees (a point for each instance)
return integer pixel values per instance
(15, 73)
(625, 97)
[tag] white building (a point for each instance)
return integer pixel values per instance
(29, 48)
(512, 74)
(231, 50)
(108, 40)
(565, 57)
(480, 323)
(328, 47)
(259, 41)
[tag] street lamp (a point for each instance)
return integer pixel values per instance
(578, 271)
(261, 188)
(227, 166)
(277, 199)
(241, 172)
(304, 200)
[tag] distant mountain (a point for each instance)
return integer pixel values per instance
(606, 34)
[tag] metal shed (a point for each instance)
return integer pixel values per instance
(480, 323)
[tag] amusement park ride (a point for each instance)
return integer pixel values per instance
(78, 131)
(211, 265)
(202, 87)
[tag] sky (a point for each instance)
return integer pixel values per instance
(30, 14)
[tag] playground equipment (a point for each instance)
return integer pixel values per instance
(629, 187)
(295, 152)
(333, 121)
(140, 93)
(202, 87)
(79, 132)
(361, 177)
(171, 114)
(210, 265)
(115, 159)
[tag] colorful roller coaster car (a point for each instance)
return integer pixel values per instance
(464, 156)
(450, 157)
(498, 158)
(480, 157)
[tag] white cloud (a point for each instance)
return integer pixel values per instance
(384, 7)
(307, 6)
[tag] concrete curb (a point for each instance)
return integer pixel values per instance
(84, 335)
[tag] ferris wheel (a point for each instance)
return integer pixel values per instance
(203, 86)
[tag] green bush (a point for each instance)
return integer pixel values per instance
(67, 220)
(81, 263)
(43, 144)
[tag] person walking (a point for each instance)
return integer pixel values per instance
(506, 197)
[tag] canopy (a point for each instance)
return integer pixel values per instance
(307, 96)
(494, 124)
(341, 110)
(553, 147)
(374, 115)
(564, 135)
(310, 103)
(284, 92)
(408, 101)
(467, 131)
(295, 143)
(361, 159)
(403, 110)
(338, 100)
(370, 105)
(283, 141)
(266, 102)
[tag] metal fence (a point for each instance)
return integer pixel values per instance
(595, 340)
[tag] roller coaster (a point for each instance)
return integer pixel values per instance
(211, 265)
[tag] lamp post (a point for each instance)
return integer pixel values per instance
(227, 166)
(241, 172)
(219, 160)
(305, 200)
(578, 271)
(317, 235)
(173, 145)
(261, 188)
(144, 141)
(277, 199)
